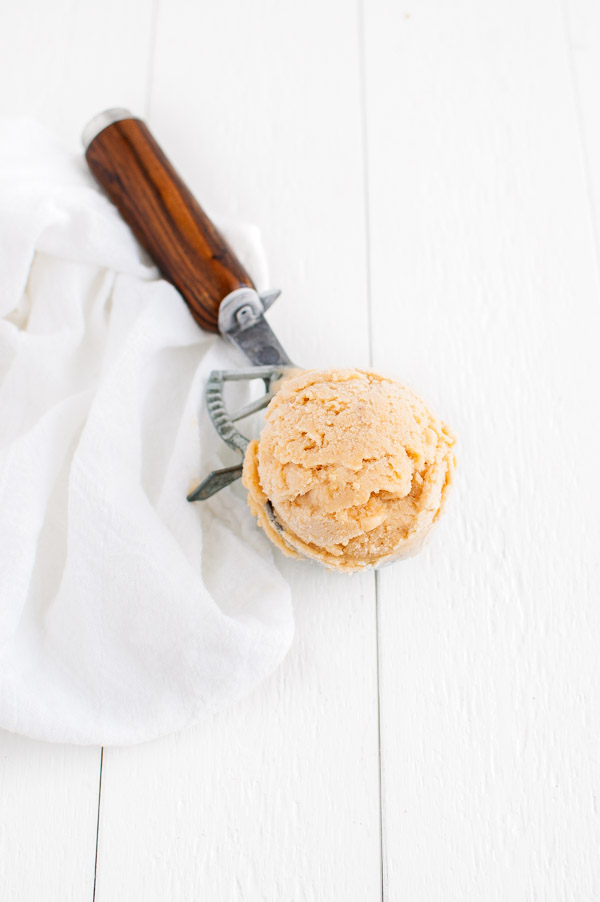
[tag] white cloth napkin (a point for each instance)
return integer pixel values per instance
(125, 611)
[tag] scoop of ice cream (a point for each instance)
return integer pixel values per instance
(355, 466)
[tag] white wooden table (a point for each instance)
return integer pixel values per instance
(426, 176)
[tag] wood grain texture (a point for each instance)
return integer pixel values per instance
(166, 218)
(278, 798)
(490, 675)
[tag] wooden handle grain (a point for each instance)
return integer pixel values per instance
(166, 218)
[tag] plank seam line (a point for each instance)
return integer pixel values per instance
(583, 149)
(98, 822)
(382, 854)
(362, 66)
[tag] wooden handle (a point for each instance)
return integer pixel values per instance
(165, 217)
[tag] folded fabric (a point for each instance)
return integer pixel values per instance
(125, 611)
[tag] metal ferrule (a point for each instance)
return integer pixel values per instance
(102, 121)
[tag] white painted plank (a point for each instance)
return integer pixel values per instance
(582, 26)
(274, 799)
(485, 298)
(48, 816)
(65, 61)
(259, 108)
(62, 63)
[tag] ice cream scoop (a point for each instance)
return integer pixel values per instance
(171, 225)
(351, 469)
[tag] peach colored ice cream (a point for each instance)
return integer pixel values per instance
(355, 466)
